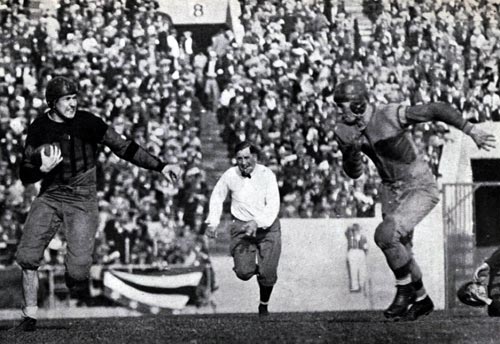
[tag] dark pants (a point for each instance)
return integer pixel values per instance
(266, 245)
(75, 210)
(403, 207)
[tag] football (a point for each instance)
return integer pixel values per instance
(45, 148)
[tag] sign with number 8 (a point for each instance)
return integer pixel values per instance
(198, 10)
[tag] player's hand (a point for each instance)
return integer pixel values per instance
(481, 273)
(482, 139)
(250, 228)
(50, 160)
(211, 232)
(172, 172)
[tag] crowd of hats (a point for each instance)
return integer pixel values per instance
(131, 72)
(274, 87)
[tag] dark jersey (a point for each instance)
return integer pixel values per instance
(78, 140)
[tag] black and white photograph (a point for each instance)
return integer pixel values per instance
(249, 171)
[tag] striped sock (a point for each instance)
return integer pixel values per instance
(421, 297)
(404, 281)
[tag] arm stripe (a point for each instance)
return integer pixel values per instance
(130, 151)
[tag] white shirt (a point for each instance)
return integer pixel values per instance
(255, 198)
(188, 46)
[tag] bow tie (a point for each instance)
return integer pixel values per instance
(246, 175)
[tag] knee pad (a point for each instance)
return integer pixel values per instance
(385, 234)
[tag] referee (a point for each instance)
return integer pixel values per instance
(255, 228)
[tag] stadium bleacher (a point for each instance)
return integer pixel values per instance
(275, 89)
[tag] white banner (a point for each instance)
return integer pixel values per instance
(188, 12)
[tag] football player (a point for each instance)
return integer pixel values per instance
(66, 166)
(408, 190)
(488, 274)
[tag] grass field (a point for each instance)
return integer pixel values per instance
(328, 327)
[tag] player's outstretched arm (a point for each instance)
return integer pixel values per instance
(129, 150)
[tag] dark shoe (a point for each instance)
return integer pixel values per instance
(26, 325)
(263, 312)
(405, 297)
(419, 309)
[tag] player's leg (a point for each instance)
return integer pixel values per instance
(269, 251)
(423, 304)
(357, 261)
(350, 270)
(416, 272)
(362, 271)
(243, 250)
(413, 204)
(41, 225)
(80, 222)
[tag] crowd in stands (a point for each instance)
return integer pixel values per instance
(274, 87)
(131, 71)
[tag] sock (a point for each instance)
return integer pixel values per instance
(265, 293)
(404, 281)
(421, 297)
(420, 291)
(29, 311)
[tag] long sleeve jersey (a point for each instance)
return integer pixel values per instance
(387, 141)
(256, 198)
(78, 140)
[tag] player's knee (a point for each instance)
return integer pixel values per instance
(386, 234)
(244, 276)
(244, 271)
(27, 261)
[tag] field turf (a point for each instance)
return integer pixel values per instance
(329, 327)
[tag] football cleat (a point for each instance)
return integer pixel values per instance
(405, 297)
(419, 309)
(263, 311)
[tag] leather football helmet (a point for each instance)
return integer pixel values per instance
(59, 87)
(353, 91)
